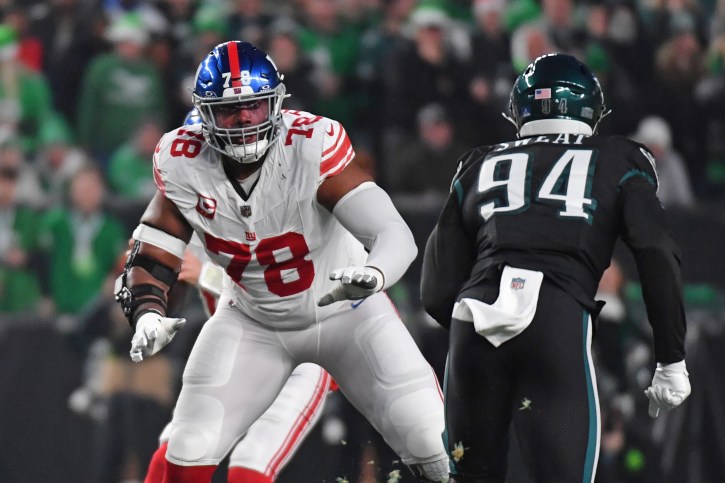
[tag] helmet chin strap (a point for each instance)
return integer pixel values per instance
(247, 153)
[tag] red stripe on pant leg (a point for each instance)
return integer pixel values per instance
(157, 466)
(302, 422)
(245, 475)
(188, 474)
(438, 384)
(394, 307)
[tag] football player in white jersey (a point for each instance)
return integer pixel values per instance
(309, 242)
(273, 438)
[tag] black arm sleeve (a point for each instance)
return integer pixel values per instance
(447, 263)
(647, 234)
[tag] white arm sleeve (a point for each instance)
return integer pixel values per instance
(369, 214)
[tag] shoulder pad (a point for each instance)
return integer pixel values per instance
(318, 140)
(337, 150)
(182, 144)
(640, 162)
(468, 159)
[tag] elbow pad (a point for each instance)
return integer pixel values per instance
(368, 213)
(130, 298)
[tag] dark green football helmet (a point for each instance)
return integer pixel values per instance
(557, 86)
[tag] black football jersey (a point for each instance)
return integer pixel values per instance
(557, 204)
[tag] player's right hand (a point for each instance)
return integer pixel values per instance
(355, 283)
(670, 386)
(153, 332)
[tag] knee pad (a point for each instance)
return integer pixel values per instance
(165, 433)
(419, 419)
(196, 431)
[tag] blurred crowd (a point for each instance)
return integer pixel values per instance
(87, 88)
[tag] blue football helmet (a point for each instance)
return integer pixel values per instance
(192, 117)
(234, 76)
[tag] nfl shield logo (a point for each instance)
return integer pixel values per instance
(246, 211)
(517, 283)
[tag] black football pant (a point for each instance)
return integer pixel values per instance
(542, 381)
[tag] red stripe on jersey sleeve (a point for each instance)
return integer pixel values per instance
(342, 155)
(331, 132)
(342, 165)
(158, 179)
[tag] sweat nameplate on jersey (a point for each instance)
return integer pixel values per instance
(559, 139)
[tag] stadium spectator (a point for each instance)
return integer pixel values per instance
(30, 48)
(29, 189)
(25, 98)
(284, 47)
(333, 45)
(120, 90)
(249, 20)
(679, 66)
(130, 171)
(422, 169)
(70, 32)
(555, 30)
(491, 75)
(19, 284)
(420, 71)
(57, 161)
(377, 41)
(674, 190)
(82, 243)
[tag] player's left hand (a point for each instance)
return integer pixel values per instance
(670, 387)
(153, 332)
(355, 283)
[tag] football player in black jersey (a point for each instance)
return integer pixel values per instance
(512, 268)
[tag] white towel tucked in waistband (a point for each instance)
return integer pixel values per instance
(511, 313)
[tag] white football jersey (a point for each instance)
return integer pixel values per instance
(278, 245)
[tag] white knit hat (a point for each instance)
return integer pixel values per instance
(653, 130)
(128, 28)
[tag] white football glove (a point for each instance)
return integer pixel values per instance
(153, 332)
(355, 283)
(670, 386)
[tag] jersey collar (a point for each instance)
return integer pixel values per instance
(554, 126)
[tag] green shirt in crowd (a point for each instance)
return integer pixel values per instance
(83, 251)
(116, 96)
(19, 287)
(34, 102)
(130, 174)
